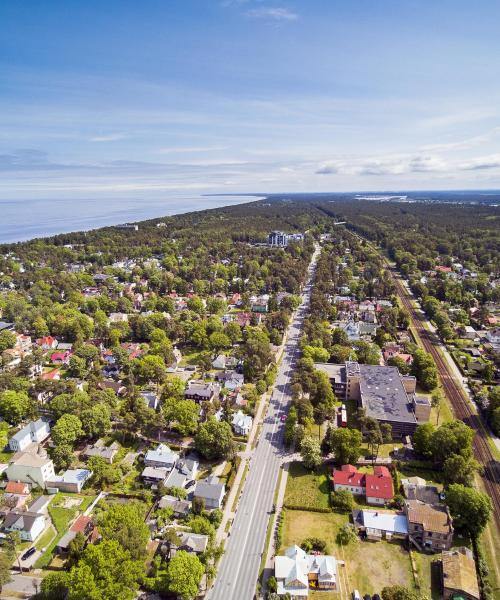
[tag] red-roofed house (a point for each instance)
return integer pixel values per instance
(47, 342)
(83, 524)
(61, 358)
(53, 375)
(442, 269)
(348, 478)
(17, 487)
(377, 488)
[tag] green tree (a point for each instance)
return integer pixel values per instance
(5, 564)
(124, 523)
(184, 575)
(451, 438)
(13, 406)
(470, 509)
(343, 501)
(437, 401)
(96, 420)
(63, 456)
(310, 452)
(424, 369)
(183, 413)
(67, 430)
(457, 469)
(422, 439)
(214, 439)
(54, 586)
(346, 444)
(103, 474)
(346, 535)
(105, 572)
(7, 341)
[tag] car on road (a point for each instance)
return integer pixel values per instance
(283, 418)
(28, 553)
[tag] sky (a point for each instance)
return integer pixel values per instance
(162, 97)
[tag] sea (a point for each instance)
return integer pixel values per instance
(26, 219)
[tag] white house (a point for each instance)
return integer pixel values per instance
(162, 457)
(30, 468)
(493, 336)
(34, 432)
(296, 571)
(242, 423)
(469, 332)
(219, 362)
(29, 524)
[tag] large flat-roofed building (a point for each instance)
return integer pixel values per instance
(382, 392)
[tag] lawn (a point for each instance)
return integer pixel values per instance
(307, 489)
(428, 575)
(431, 476)
(369, 567)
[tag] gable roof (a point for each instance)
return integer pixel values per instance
(431, 517)
(17, 487)
(379, 485)
(459, 571)
(348, 475)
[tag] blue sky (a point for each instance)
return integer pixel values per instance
(160, 97)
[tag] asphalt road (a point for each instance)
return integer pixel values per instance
(239, 566)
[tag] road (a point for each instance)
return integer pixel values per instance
(239, 567)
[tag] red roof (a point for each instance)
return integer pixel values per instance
(379, 485)
(348, 475)
(16, 487)
(81, 524)
(442, 269)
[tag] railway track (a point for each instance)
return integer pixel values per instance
(461, 405)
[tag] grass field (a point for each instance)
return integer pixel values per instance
(369, 566)
(307, 489)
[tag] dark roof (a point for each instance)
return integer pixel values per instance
(383, 395)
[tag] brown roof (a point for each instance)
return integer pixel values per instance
(432, 517)
(80, 525)
(459, 571)
(17, 487)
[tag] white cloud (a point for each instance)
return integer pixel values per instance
(190, 149)
(274, 13)
(111, 137)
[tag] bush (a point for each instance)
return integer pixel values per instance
(342, 501)
(313, 544)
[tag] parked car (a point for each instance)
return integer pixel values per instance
(28, 553)
(283, 418)
(356, 595)
(367, 597)
(375, 597)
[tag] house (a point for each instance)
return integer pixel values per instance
(211, 491)
(99, 449)
(116, 386)
(231, 380)
(175, 479)
(380, 524)
(5, 326)
(429, 525)
(174, 365)
(260, 304)
(51, 375)
(192, 542)
(61, 358)
(219, 362)
(458, 575)
(161, 457)
(151, 399)
(377, 487)
(468, 332)
(16, 494)
(34, 432)
(30, 525)
(154, 475)
(201, 391)
(242, 423)
(188, 466)
(416, 488)
(493, 336)
(35, 469)
(297, 571)
(84, 525)
(180, 507)
(71, 480)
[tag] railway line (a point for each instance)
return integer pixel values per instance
(461, 405)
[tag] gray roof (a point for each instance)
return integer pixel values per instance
(175, 479)
(196, 542)
(209, 489)
(178, 506)
(158, 473)
(383, 395)
(28, 518)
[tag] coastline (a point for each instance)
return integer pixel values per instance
(23, 221)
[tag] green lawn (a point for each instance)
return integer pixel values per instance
(432, 477)
(307, 489)
(45, 539)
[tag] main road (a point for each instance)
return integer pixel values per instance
(239, 565)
